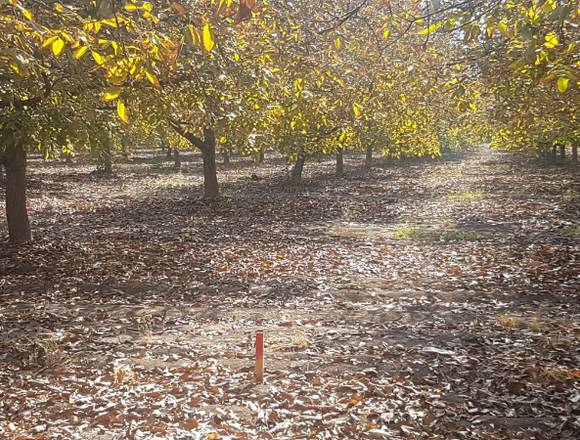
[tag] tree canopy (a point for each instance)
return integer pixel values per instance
(401, 78)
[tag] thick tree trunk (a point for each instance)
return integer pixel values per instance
(16, 212)
(369, 158)
(210, 182)
(296, 174)
(176, 159)
(339, 163)
(562, 153)
(575, 153)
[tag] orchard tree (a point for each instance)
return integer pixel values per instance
(56, 58)
(526, 55)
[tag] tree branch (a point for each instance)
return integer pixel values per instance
(191, 138)
(19, 104)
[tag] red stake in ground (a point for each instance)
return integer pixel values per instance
(260, 356)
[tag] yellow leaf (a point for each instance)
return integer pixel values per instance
(432, 28)
(110, 22)
(489, 30)
(505, 29)
(57, 47)
(337, 43)
(562, 84)
(152, 79)
(386, 34)
(80, 52)
(192, 35)
(356, 110)
(48, 41)
(26, 13)
(111, 93)
(551, 40)
(208, 42)
(122, 111)
(99, 59)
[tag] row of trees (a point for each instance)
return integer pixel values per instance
(397, 78)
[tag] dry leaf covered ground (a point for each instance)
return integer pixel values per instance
(424, 300)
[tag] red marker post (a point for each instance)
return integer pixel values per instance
(260, 356)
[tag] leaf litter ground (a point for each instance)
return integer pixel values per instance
(423, 300)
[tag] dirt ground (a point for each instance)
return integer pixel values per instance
(426, 299)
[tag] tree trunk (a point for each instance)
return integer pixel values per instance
(296, 174)
(2, 178)
(176, 159)
(16, 213)
(125, 147)
(107, 155)
(261, 157)
(562, 153)
(210, 182)
(226, 155)
(68, 158)
(169, 152)
(369, 158)
(339, 163)
(575, 153)
(546, 153)
(554, 153)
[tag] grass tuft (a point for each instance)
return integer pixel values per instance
(571, 195)
(409, 233)
(467, 196)
(521, 322)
